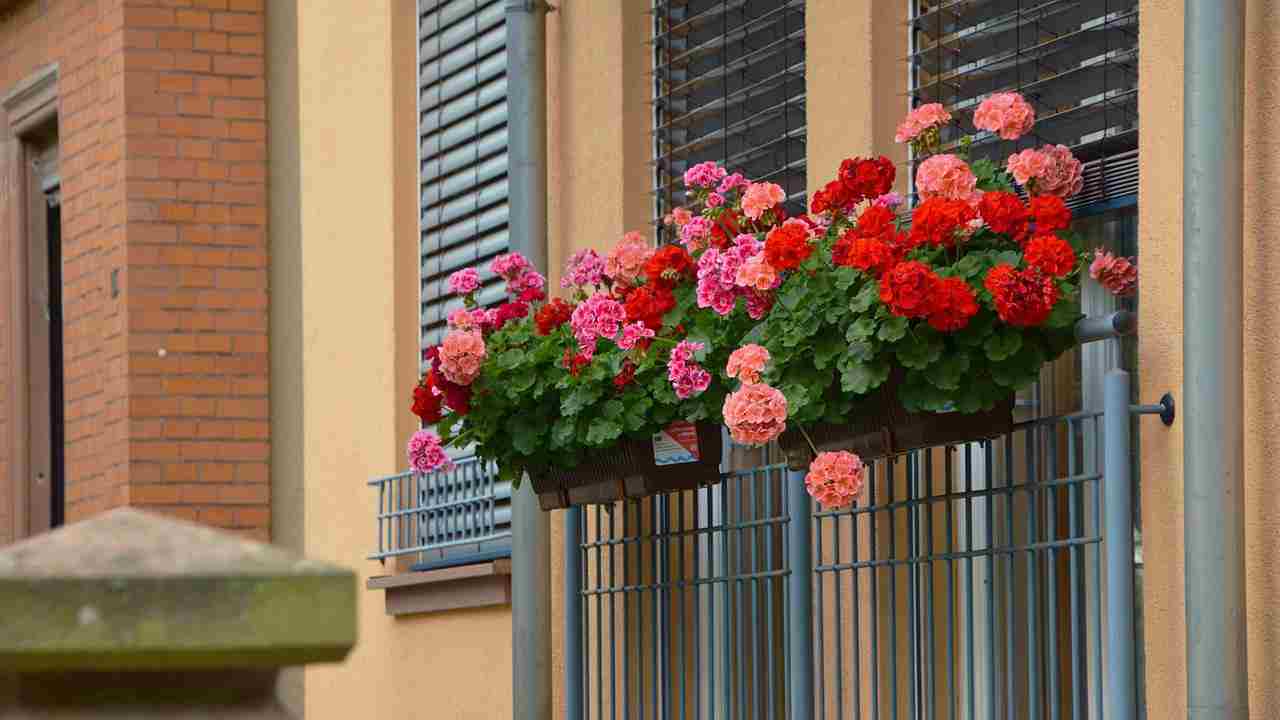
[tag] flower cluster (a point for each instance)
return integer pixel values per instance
(920, 122)
(1048, 170)
(835, 479)
(687, 377)
(1006, 114)
(1119, 275)
(755, 414)
(426, 454)
(598, 317)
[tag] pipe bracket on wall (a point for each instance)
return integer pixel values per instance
(1165, 409)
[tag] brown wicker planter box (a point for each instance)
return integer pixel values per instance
(883, 428)
(629, 470)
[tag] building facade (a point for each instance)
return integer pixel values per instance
(226, 223)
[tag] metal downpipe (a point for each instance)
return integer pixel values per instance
(1213, 438)
(527, 183)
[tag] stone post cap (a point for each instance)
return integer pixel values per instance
(129, 590)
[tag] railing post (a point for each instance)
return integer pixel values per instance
(1117, 487)
(573, 613)
(800, 599)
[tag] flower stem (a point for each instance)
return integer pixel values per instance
(808, 439)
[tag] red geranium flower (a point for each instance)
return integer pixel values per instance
(877, 220)
(833, 196)
(574, 362)
(511, 311)
(1022, 297)
(1050, 254)
(867, 177)
(667, 266)
(1004, 213)
(625, 375)
(868, 254)
(938, 221)
(648, 304)
(456, 397)
(725, 228)
(908, 289)
(954, 302)
(426, 404)
(532, 295)
(1050, 213)
(552, 315)
(788, 245)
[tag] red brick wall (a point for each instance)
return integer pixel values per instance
(163, 135)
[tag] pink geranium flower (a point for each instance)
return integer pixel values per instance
(835, 478)
(755, 414)
(632, 334)
(1119, 275)
(461, 355)
(687, 377)
(759, 197)
(925, 117)
(946, 176)
(426, 454)
(509, 266)
(599, 316)
(464, 282)
(625, 263)
(747, 362)
(757, 274)
(1008, 115)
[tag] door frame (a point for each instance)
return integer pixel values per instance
(28, 125)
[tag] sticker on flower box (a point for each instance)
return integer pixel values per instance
(676, 444)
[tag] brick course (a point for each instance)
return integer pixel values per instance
(163, 144)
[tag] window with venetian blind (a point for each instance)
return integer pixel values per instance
(729, 87)
(1076, 61)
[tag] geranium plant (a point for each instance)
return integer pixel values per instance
(639, 342)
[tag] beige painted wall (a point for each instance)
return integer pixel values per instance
(1160, 368)
(346, 266)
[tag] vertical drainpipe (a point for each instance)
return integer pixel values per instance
(527, 191)
(1213, 438)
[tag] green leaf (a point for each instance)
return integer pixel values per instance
(863, 350)
(860, 329)
(579, 398)
(920, 349)
(828, 347)
(1003, 343)
(845, 277)
(861, 378)
(948, 371)
(1008, 257)
(511, 358)
(614, 409)
(893, 329)
(1065, 314)
(866, 298)
(793, 296)
(563, 431)
(524, 435)
(602, 431)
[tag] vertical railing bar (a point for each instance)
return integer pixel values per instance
(382, 509)
(857, 616)
(800, 610)
(932, 687)
(658, 629)
(912, 567)
(948, 481)
(1008, 579)
(820, 633)
(683, 589)
(968, 538)
(739, 605)
(697, 602)
(838, 591)
(892, 477)
(1117, 542)
(629, 577)
(712, 646)
(1051, 595)
(1031, 485)
(613, 620)
(988, 469)
(770, 585)
(1073, 560)
(1096, 655)
(875, 592)
(730, 597)
(755, 597)
(573, 617)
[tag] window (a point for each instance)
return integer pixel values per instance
(729, 87)
(1076, 61)
(462, 515)
(462, 120)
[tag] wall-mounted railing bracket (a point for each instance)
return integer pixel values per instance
(1165, 409)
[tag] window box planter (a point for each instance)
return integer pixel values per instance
(632, 469)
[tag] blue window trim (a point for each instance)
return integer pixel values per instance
(1103, 206)
(470, 559)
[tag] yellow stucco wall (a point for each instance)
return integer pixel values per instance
(1160, 359)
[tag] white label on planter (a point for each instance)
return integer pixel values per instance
(676, 444)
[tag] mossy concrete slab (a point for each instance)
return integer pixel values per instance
(132, 590)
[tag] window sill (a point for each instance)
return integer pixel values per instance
(483, 584)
